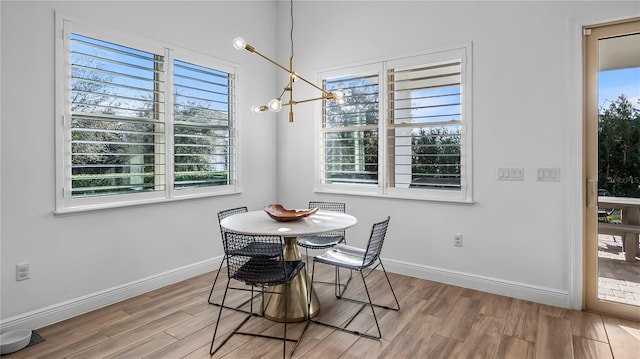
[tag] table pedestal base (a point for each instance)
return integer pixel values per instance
(275, 309)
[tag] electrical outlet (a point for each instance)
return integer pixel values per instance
(457, 239)
(22, 271)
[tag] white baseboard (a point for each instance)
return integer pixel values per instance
(517, 290)
(65, 310)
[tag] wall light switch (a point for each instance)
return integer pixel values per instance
(510, 174)
(548, 175)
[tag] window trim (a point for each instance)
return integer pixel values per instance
(465, 194)
(64, 203)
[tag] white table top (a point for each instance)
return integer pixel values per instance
(259, 222)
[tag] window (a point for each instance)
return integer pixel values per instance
(404, 130)
(350, 131)
(141, 121)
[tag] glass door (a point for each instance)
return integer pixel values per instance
(612, 168)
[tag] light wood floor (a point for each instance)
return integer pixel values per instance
(435, 321)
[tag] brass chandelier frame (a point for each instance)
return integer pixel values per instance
(276, 104)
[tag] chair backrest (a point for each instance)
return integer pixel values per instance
(250, 258)
(226, 213)
(330, 206)
(229, 212)
(376, 239)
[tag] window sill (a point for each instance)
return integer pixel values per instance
(401, 196)
(71, 210)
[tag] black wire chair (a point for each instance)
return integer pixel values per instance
(357, 259)
(222, 215)
(325, 240)
(271, 248)
(250, 259)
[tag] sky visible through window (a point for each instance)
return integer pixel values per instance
(613, 83)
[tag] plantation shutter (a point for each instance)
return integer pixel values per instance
(424, 128)
(117, 119)
(350, 132)
(203, 126)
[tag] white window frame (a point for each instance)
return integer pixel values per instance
(65, 203)
(464, 195)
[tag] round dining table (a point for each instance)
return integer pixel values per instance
(260, 223)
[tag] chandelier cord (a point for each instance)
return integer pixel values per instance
(291, 32)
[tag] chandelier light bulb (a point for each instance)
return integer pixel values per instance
(256, 109)
(239, 43)
(339, 95)
(275, 105)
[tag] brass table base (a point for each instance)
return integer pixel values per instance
(274, 308)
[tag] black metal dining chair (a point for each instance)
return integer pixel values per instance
(325, 240)
(258, 267)
(222, 215)
(271, 248)
(358, 259)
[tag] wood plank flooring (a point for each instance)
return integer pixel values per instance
(435, 321)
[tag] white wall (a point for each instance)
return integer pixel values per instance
(519, 237)
(79, 261)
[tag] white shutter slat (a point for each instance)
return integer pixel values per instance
(350, 132)
(203, 128)
(115, 106)
(425, 125)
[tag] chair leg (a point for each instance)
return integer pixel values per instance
(286, 318)
(313, 272)
(346, 323)
(390, 287)
(375, 317)
(251, 304)
(337, 288)
(397, 307)
(306, 255)
(215, 331)
(215, 280)
(262, 290)
(344, 326)
(238, 331)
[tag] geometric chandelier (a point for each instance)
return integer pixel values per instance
(275, 105)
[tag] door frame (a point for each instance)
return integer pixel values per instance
(590, 38)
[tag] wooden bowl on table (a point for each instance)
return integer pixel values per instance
(279, 213)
